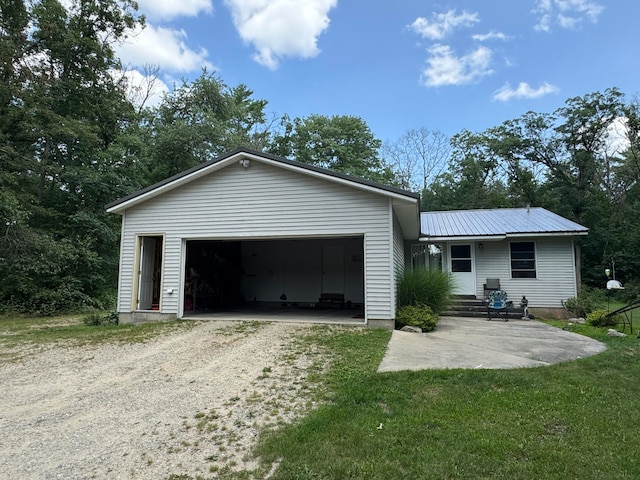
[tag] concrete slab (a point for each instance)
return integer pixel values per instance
(337, 316)
(461, 342)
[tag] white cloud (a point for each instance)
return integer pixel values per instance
(169, 9)
(483, 37)
(567, 22)
(444, 68)
(523, 90)
(617, 139)
(281, 28)
(566, 13)
(442, 24)
(164, 47)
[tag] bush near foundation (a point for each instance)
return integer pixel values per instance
(587, 301)
(417, 316)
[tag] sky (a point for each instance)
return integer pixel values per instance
(446, 66)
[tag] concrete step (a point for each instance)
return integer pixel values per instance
(513, 314)
(473, 307)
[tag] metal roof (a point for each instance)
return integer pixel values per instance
(498, 223)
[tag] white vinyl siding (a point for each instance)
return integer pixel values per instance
(261, 202)
(555, 271)
(398, 257)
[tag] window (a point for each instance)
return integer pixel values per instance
(426, 256)
(461, 258)
(523, 260)
(419, 256)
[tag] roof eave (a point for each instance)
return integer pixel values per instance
(492, 238)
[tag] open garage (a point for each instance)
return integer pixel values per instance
(227, 275)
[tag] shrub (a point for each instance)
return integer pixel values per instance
(425, 287)
(598, 318)
(588, 300)
(97, 319)
(417, 316)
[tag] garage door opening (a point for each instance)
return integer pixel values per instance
(302, 274)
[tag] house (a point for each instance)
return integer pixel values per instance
(250, 229)
(530, 252)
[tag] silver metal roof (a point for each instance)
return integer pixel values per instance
(501, 222)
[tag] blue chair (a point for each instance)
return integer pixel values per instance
(498, 305)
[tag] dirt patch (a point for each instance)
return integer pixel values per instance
(190, 403)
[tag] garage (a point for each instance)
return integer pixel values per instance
(231, 275)
(249, 231)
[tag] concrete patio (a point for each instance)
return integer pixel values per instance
(477, 343)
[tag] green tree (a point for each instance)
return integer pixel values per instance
(200, 120)
(340, 143)
(473, 179)
(64, 116)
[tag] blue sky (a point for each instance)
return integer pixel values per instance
(405, 64)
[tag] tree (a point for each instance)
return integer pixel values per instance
(64, 115)
(341, 143)
(418, 157)
(473, 179)
(199, 121)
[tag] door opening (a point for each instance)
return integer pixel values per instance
(149, 272)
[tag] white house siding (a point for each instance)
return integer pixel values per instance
(555, 271)
(261, 201)
(398, 256)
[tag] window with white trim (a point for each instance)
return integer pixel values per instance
(523, 259)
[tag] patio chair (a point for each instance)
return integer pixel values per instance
(498, 305)
(491, 285)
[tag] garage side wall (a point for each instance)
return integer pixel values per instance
(262, 201)
(398, 259)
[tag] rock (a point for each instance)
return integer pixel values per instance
(409, 328)
(579, 321)
(614, 333)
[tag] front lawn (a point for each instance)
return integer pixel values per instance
(576, 420)
(23, 335)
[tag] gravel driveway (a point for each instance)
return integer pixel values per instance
(187, 403)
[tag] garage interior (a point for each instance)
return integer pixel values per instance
(279, 276)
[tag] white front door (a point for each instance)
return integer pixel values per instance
(461, 266)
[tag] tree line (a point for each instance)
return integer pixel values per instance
(75, 135)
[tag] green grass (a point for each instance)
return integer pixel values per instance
(576, 420)
(18, 333)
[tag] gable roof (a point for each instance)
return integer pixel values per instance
(406, 204)
(495, 224)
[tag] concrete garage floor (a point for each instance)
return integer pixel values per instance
(477, 343)
(341, 316)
